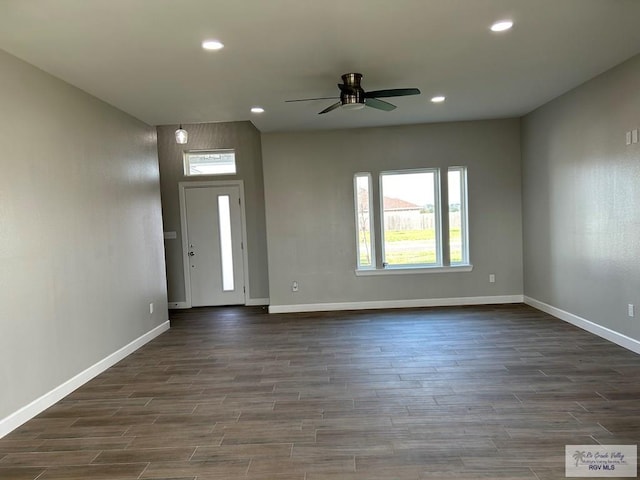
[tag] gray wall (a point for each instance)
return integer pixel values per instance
(245, 139)
(310, 212)
(581, 198)
(80, 232)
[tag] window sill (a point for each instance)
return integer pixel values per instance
(413, 270)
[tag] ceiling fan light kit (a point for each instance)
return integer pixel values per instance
(353, 106)
(353, 96)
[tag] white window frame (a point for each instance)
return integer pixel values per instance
(377, 234)
(372, 229)
(464, 214)
(187, 165)
(437, 217)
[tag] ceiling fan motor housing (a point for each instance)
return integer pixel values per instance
(351, 93)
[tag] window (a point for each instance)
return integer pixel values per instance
(411, 218)
(457, 191)
(213, 162)
(364, 220)
(412, 215)
(226, 247)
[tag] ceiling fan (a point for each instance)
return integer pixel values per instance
(353, 97)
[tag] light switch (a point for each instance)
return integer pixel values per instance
(628, 138)
(634, 135)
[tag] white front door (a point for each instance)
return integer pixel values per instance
(214, 240)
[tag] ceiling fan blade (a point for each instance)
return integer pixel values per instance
(394, 92)
(309, 99)
(379, 104)
(330, 107)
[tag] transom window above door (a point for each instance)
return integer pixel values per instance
(210, 162)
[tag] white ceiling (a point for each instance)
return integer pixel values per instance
(144, 56)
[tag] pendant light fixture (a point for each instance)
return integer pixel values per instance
(181, 135)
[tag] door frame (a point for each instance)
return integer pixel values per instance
(182, 186)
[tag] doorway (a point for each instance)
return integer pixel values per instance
(213, 237)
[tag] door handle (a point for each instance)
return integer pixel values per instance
(191, 254)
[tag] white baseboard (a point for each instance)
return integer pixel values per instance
(422, 302)
(251, 302)
(29, 411)
(592, 327)
(178, 305)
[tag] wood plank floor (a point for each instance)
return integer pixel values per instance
(234, 393)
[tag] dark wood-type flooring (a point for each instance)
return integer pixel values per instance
(234, 393)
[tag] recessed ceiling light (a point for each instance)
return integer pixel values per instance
(501, 26)
(257, 110)
(438, 99)
(212, 45)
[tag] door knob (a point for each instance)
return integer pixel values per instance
(191, 254)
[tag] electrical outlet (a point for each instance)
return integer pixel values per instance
(150, 308)
(631, 310)
(294, 286)
(492, 278)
